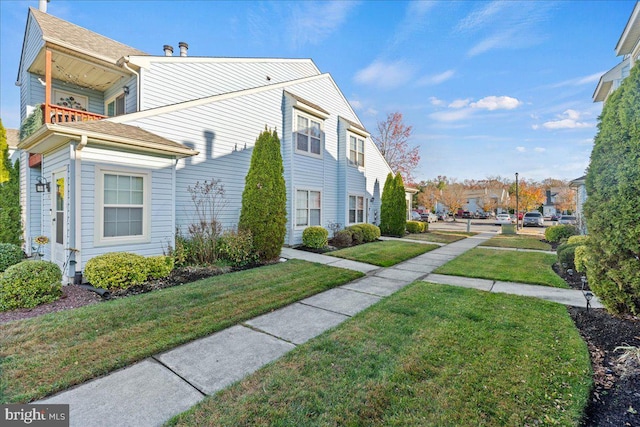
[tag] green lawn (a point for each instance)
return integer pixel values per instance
(50, 353)
(511, 266)
(385, 253)
(429, 355)
(439, 236)
(519, 241)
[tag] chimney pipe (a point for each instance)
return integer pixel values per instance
(168, 50)
(42, 5)
(183, 48)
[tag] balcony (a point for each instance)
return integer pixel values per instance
(59, 115)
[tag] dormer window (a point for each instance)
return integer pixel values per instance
(356, 150)
(308, 134)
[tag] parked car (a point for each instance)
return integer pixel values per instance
(503, 218)
(568, 219)
(429, 217)
(415, 216)
(467, 214)
(556, 217)
(533, 219)
(443, 216)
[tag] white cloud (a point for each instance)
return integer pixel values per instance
(312, 22)
(385, 75)
(436, 79)
(539, 149)
(567, 120)
(521, 149)
(460, 103)
(579, 81)
(435, 101)
(496, 103)
(451, 116)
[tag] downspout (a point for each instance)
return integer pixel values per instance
(77, 240)
(125, 64)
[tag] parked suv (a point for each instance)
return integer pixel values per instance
(534, 219)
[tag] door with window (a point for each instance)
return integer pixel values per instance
(59, 219)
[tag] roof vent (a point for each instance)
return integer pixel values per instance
(168, 50)
(183, 48)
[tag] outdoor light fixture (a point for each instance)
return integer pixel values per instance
(517, 205)
(588, 296)
(373, 199)
(42, 184)
(125, 89)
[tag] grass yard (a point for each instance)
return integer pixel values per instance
(510, 266)
(440, 236)
(429, 355)
(385, 253)
(518, 241)
(50, 353)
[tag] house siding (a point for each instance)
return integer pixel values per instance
(167, 83)
(32, 45)
(162, 224)
(54, 162)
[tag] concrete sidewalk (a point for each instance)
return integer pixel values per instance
(150, 392)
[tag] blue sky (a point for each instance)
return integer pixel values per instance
(490, 87)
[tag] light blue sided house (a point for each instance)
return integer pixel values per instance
(126, 133)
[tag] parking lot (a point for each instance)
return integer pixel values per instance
(483, 226)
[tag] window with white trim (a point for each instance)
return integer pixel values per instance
(308, 134)
(356, 209)
(123, 206)
(308, 207)
(114, 106)
(356, 150)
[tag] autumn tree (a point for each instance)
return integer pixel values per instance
(453, 196)
(530, 195)
(392, 139)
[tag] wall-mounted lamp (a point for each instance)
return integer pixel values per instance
(42, 184)
(373, 199)
(125, 89)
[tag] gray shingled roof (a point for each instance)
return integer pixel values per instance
(55, 29)
(310, 104)
(123, 131)
(354, 124)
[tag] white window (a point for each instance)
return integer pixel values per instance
(356, 209)
(123, 207)
(308, 136)
(308, 208)
(114, 106)
(356, 150)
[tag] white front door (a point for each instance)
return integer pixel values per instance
(59, 220)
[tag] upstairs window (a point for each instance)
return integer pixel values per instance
(356, 150)
(115, 106)
(308, 135)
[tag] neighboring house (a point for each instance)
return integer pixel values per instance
(581, 196)
(126, 135)
(486, 199)
(13, 138)
(628, 47)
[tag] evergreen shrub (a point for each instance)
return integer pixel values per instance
(315, 237)
(10, 254)
(415, 227)
(557, 233)
(581, 259)
(159, 266)
(29, 284)
(581, 239)
(566, 254)
(370, 232)
(264, 197)
(116, 270)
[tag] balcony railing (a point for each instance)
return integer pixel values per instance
(58, 114)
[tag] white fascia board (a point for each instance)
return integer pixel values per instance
(146, 61)
(203, 101)
(631, 33)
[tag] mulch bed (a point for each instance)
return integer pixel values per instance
(614, 401)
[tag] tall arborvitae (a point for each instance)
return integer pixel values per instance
(264, 210)
(386, 205)
(612, 206)
(399, 207)
(10, 221)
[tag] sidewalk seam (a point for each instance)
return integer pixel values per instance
(155, 357)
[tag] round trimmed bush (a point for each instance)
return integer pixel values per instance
(357, 235)
(315, 237)
(342, 238)
(116, 270)
(159, 266)
(581, 259)
(415, 227)
(370, 232)
(10, 254)
(29, 284)
(578, 239)
(557, 233)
